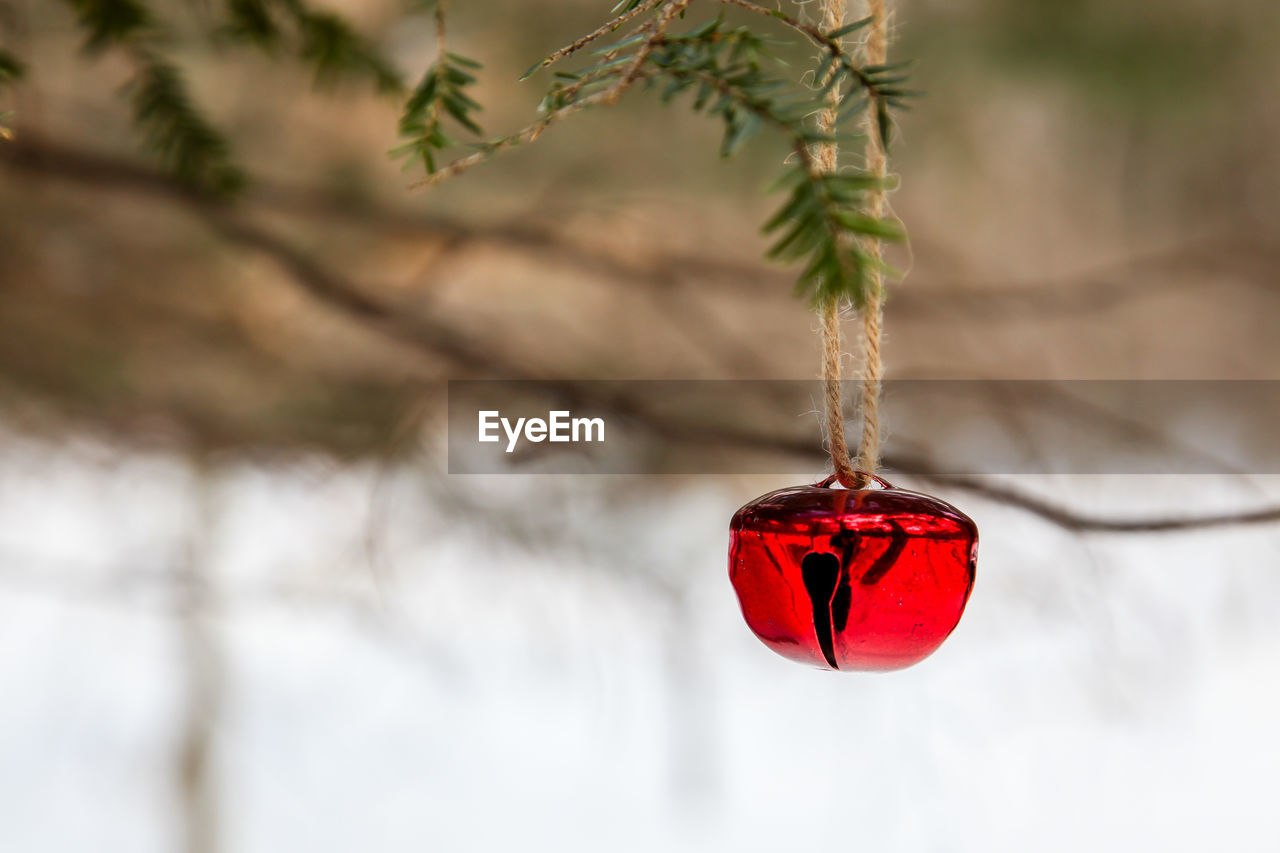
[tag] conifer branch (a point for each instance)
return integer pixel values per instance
(321, 39)
(442, 91)
(176, 132)
(334, 50)
(11, 70)
(442, 34)
(626, 76)
(182, 140)
(730, 72)
(185, 144)
(252, 22)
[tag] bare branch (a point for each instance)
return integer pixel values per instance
(811, 32)
(1082, 523)
(604, 29)
(434, 337)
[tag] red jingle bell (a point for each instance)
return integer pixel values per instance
(867, 579)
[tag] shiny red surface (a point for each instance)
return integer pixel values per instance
(872, 579)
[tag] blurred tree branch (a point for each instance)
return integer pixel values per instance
(437, 339)
(187, 598)
(1251, 258)
(203, 674)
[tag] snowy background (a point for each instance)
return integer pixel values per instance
(390, 675)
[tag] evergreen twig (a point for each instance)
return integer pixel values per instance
(11, 70)
(734, 77)
(729, 72)
(625, 76)
(175, 131)
(334, 50)
(321, 39)
(186, 144)
(442, 91)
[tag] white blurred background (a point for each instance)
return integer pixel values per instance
(326, 658)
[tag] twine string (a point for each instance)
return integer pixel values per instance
(868, 460)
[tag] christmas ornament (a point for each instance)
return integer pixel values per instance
(864, 579)
(859, 577)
